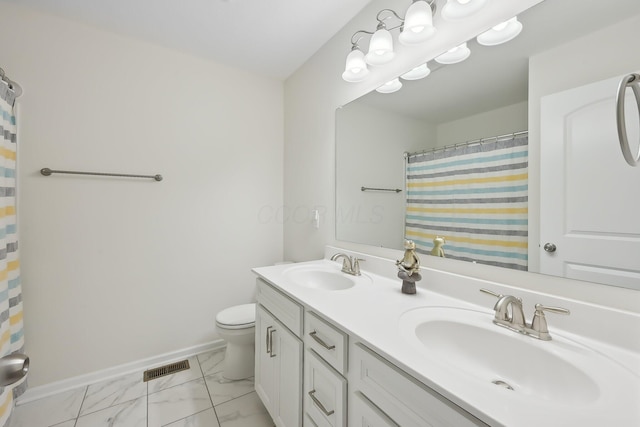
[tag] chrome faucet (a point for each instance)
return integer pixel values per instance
(350, 265)
(514, 318)
(509, 312)
(539, 323)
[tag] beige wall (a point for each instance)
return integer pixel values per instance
(117, 270)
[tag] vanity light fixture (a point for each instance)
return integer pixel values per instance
(460, 9)
(455, 55)
(418, 23)
(381, 43)
(390, 86)
(415, 28)
(501, 33)
(356, 68)
(419, 72)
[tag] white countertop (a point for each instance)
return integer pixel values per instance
(370, 311)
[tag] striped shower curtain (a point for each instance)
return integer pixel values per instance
(474, 196)
(11, 329)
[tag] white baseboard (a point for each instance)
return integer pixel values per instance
(39, 392)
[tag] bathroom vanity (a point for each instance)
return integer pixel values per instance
(335, 350)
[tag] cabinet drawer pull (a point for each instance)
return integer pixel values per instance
(268, 343)
(320, 341)
(319, 404)
(271, 342)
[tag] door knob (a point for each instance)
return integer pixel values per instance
(550, 247)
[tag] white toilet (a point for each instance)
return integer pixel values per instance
(236, 325)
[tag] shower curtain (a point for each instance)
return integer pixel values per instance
(476, 197)
(11, 328)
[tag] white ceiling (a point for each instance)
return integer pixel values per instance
(268, 37)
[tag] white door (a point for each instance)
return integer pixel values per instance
(590, 197)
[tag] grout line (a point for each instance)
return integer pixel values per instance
(237, 397)
(208, 392)
(86, 390)
(188, 416)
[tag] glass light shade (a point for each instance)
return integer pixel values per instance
(501, 33)
(455, 55)
(380, 48)
(418, 24)
(420, 72)
(390, 87)
(356, 68)
(460, 9)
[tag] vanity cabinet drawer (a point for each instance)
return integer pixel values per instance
(363, 413)
(286, 310)
(403, 398)
(325, 393)
(327, 341)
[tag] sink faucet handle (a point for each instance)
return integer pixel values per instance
(558, 310)
(490, 292)
(539, 322)
(355, 265)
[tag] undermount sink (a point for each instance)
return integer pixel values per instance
(480, 353)
(323, 278)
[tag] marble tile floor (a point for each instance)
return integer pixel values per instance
(197, 397)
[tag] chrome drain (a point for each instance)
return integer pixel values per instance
(152, 374)
(502, 384)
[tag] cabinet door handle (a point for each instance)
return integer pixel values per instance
(319, 404)
(268, 343)
(320, 341)
(270, 333)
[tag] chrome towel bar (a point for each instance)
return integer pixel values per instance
(48, 172)
(397, 190)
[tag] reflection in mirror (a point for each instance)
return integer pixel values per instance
(494, 98)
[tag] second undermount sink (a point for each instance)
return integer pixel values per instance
(486, 356)
(327, 278)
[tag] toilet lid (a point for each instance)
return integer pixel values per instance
(239, 315)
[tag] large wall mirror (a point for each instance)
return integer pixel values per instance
(515, 96)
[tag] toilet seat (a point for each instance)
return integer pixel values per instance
(238, 317)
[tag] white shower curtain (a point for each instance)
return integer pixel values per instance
(11, 327)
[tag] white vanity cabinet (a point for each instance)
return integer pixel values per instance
(396, 398)
(278, 374)
(345, 383)
(325, 364)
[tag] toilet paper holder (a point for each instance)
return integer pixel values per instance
(13, 368)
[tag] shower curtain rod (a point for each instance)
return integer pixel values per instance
(467, 143)
(15, 87)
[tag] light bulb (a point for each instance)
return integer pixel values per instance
(500, 26)
(455, 55)
(419, 72)
(501, 33)
(380, 48)
(460, 9)
(355, 69)
(390, 86)
(418, 24)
